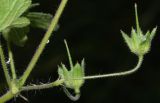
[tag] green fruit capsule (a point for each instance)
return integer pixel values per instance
(73, 77)
(139, 43)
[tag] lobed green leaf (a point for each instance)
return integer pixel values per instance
(11, 10)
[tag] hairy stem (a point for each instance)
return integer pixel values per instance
(6, 97)
(43, 86)
(140, 60)
(4, 66)
(43, 42)
(12, 66)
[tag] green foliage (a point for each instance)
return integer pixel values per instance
(16, 18)
(11, 18)
(10, 12)
(20, 22)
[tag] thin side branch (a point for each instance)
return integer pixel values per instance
(140, 60)
(69, 55)
(4, 66)
(12, 66)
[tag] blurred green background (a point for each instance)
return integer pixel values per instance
(92, 29)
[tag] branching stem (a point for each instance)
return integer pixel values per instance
(43, 42)
(9, 95)
(6, 97)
